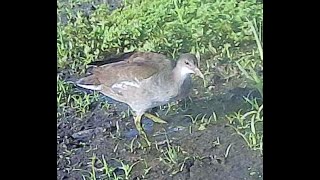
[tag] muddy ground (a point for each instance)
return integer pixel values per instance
(108, 133)
(104, 133)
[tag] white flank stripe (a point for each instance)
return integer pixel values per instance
(92, 87)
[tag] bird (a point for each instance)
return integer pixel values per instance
(142, 80)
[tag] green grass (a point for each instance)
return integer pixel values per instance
(202, 121)
(226, 35)
(157, 27)
(249, 125)
(173, 156)
(106, 171)
(69, 100)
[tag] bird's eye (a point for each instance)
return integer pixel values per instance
(187, 63)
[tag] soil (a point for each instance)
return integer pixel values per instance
(104, 133)
(107, 134)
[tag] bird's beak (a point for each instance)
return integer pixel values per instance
(198, 73)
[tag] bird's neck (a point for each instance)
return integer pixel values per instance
(178, 76)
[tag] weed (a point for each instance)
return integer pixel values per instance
(249, 124)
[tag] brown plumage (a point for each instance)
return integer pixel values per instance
(142, 80)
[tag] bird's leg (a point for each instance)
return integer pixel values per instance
(137, 122)
(154, 118)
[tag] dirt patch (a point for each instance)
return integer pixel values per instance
(202, 154)
(215, 152)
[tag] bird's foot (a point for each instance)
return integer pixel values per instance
(154, 118)
(141, 132)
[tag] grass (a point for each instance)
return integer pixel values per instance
(173, 157)
(248, 124)
(184, 28)
(202, 121)
(226, 35)
(107, 171)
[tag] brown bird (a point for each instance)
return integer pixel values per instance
(142, 80)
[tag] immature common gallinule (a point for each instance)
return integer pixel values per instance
(143, 80)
